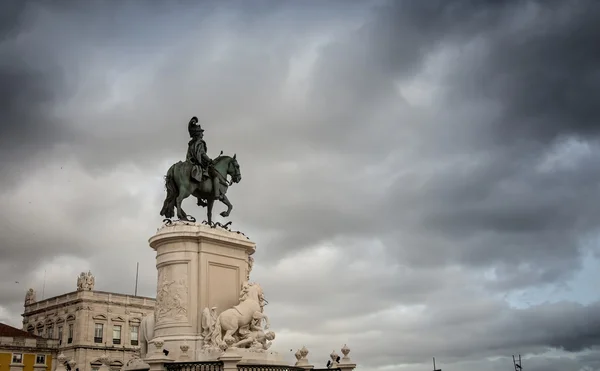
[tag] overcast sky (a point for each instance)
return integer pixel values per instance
(421, 178)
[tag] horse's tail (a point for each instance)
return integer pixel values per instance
(216, 336)
(172, 192)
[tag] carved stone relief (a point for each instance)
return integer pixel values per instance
(172, 295)
(209, 320)
(250, 264)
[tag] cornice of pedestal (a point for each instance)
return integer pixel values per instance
(185, 231)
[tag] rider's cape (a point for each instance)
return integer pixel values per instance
(196, 148)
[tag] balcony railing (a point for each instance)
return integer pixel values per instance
(268, 368)
(194, 366)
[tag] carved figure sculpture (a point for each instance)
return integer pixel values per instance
(256, 338)
(85, 281)
(30, 297)
(80, 281)
(186, 178)
(209, 318)
(90, 281)
(240, 316)
(244, 290)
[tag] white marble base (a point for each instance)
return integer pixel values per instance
(198, 267)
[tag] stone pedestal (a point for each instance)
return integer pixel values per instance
(198, 267)
(230, 360)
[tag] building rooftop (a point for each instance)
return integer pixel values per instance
(9, 331)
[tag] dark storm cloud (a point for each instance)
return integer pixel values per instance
(419, 201)
(487, 202)
(541, 70)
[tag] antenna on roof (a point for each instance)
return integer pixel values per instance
(137, 270)
(435, 369)
(44, 286)
(517, 363)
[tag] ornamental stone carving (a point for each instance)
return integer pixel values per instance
(334, 359)
(184, 350)
(250, 264)
(209, 319)
(345, 352)
(30, 297)
(172, 295)
(301, 357)
(242, 325)
(85, 281)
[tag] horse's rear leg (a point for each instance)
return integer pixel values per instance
(183, 194)
(228, 338)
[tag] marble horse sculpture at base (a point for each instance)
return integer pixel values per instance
(146, 334)
(241, 316)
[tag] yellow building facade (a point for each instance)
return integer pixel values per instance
(21, 351)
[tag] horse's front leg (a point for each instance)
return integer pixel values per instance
(209, 206)
(225, 200)
(261, 316)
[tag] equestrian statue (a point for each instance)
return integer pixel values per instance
(199, 176)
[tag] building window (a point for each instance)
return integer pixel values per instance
(98, 333)
(70, 338)
(50, 332)
(40, 331)
(95, 368)
(134, 334)
(40, 359)
(60, 334)
(116, 334)
(17, 358)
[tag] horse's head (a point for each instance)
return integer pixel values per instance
(228, 166)
(233, 169)
(255, 292)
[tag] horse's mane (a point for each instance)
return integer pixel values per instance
(223, 157)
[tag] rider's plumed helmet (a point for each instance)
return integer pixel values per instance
(194, 128)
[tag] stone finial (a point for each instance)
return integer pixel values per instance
(301, 357)
(158, 343)
(334, 358)
(72, 364)
(304, 352)
(298, 356)
(345, 351)
(61, 358)
(184, 349)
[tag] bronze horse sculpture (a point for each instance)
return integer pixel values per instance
(180, 185)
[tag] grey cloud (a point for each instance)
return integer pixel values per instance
(427, 198)
(487, 331)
